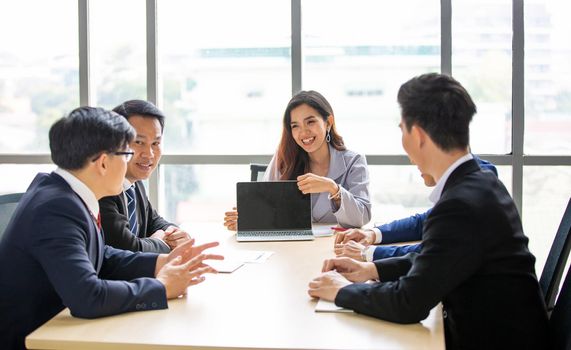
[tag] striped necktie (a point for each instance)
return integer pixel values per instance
(132, 210)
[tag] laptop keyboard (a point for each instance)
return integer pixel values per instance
(304, 235)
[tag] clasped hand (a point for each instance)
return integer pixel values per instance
(338, 273)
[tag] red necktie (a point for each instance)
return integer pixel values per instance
(99, 221)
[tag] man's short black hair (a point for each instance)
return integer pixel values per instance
(85, 133)
(439, 105)
(140, 107)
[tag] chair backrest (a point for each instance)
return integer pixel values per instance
(8, 204)
(556, 260)
(560, 321)
(257, 171)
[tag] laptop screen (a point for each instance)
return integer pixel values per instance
(270, 206)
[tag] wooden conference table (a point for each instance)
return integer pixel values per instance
(259, 306)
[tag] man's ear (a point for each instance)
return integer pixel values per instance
(102, 163)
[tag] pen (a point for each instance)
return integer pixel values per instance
(337, 228)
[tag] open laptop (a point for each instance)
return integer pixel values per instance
(272, 211)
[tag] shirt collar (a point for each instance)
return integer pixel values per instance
(82, 190)
(126, 184)
(437, 191)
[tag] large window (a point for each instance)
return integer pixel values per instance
(358, 53)
(482, 62)
(546, 193)
(225, 74)
(548, 77)
(38, 70)
(225, 70)
(118, 52)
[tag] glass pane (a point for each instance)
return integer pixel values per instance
(357, 55)
(118, 51)
(226, 74)
(396, 192)
(39, 65)
(482, 63)
(547, 77)
(546, 192)
(199, 193)
(17, 178)
(399, 191)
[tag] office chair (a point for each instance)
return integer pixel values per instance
(556, 260)
(257, 171)
(560, 321)
(8, 204)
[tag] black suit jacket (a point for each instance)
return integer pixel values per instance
(115, 222)
(475, 261)
(52, 256)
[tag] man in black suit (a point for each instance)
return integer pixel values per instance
(475, 258)
(53, 255)
(129, 220)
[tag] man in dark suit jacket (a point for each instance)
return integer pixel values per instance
(141, 228)
(475, 258)
(53, 254)
(359, 243)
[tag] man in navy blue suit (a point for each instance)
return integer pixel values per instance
(53, 254)
(475, 258)
(360, 244)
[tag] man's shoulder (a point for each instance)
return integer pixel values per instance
(49, 188)
(475, 191)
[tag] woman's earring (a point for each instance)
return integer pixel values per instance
(328, 137)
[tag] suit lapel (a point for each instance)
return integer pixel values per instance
(321, 207)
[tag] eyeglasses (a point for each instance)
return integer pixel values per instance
(127, 154)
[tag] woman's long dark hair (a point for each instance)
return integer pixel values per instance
(292, 160)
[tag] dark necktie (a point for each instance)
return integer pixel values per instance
(132, 210)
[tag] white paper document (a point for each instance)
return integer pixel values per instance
(329, 306)
(251, 256)
(226, 265)
(322, 230)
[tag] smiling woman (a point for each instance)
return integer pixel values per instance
(313, 153)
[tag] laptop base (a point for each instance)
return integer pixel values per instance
(260, 236)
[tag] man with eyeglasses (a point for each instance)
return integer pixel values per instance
(129, 220)
(53, 254)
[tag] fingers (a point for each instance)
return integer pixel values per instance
(328, 265)
(203, 247)
(213, 257)
(339, 237)
(170, 230)
(176, 235)
(201, 271)
(231, 214)
(353, 235)
(196, 281)
(198, 261)
(314, 287)
(231, 219)
(338, 249)
(231, 224)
